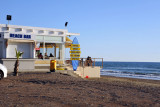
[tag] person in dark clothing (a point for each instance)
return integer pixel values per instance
(89, 61)
(40, 56)
(51, 55)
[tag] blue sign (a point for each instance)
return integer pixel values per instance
(27, 36)
(16, 35)
(20, 36)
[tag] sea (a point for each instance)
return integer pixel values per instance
(140, 70)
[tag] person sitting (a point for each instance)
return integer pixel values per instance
(40, 56)
(46, 56)
(89, 61)
(51, 55)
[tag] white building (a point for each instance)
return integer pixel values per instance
(31, 40)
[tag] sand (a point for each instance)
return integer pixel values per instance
(58, 90)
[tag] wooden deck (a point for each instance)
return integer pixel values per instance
(47, 61)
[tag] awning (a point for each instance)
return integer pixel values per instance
(68, 42)
(47, 45)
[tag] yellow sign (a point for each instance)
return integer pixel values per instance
(75, 45)
(75, 48)
(74, 55)
(75, 58)
(76, 52)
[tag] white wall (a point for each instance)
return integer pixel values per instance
(22, 47)
(32, 30)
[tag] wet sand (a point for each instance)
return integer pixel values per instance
(53, 89)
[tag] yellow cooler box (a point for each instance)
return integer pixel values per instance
(52, 65)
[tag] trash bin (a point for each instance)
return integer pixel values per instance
(52, 65)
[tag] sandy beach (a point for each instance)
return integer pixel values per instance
(53, 89)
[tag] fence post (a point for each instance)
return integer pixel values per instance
(102, 62)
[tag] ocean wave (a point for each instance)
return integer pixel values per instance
(134, 68)
(140, 75)
(145, 70)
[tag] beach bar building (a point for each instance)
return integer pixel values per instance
(32, 41)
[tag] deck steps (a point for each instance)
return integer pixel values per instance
(68, 72)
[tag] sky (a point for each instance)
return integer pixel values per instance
(116, 30)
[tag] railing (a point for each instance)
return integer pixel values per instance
(86, 62)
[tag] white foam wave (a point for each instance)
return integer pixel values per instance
(129, 75)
